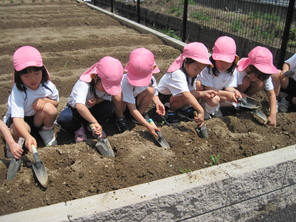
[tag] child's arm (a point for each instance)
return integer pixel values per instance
(39, 103)
(86, 114)
(191, 100)
(23, 131)
(15, 149)
(160, 110)
(138, 116)
(272, 105)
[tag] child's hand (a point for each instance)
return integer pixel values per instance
(29, 141)
(237, 94)
(39, 104)
(271, 120)
(97, 129)
(160, 109)
(199, 118)
(152, 128)
(210, 94)
(16, 149)
(230, 96)
(91, 102)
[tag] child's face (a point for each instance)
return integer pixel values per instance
(193, 69)
(99, 86)
(32, 79)
(222, 66)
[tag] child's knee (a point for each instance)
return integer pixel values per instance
(50, 109)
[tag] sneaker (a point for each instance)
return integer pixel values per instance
(80, 135)
(187, 113)
(171, 117)
(121, 124)
(48, 137)
(207, 115)
(218, 113)
(284, 105)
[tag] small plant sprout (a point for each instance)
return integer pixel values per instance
(181, 170)
(214, 160)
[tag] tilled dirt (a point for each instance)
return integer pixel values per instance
(72, 37)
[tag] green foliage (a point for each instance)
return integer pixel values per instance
(200, 16)
(181, 170)
(214, 160)
(175, 10)
(236, 26)
(265, 16)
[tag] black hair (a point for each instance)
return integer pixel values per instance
(259, 75)
(216, 71)
(17, 76)
(188, 61)
(93, 84)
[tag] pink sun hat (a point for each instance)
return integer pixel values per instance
(196, 51)
(140, 67)
(27, 56)
(110, 71)
(261, 58)
(225, 49)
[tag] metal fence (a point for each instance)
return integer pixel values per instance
(271, 23)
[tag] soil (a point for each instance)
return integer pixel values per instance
(72, 37)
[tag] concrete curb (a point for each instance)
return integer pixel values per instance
(234, 191)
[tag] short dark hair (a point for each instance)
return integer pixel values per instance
(17, 76)
(260, 75)
(215, 70)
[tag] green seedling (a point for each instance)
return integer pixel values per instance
(181, 170)
(214, 160)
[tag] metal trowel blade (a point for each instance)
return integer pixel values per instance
(162, 141)
(104, 147)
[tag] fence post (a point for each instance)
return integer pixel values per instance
(112, 6)
(286, 33)
(184, 20)
(138, 11)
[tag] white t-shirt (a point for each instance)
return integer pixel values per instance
(268, 85)
(20, 103)
(175, 83)
(224, 79)
(81, 93)
(130, 92)
(292, 62)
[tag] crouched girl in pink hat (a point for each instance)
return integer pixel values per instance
(139, 87)
(220, 77)
(90, 101)
(177, 87)
(254, 74)
(32, 104)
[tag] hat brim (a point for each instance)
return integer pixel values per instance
(140, 82)
(225, 58)
(25, 65)
(270, 69)
(243, 64)
(112, 90)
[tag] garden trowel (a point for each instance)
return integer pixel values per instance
(15, 164)
(39, 168)
(201, 131)
(103, 145)
(160, 138)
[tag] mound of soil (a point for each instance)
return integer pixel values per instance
(72, 37)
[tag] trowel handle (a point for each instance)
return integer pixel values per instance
(21, 141)
(35, 154)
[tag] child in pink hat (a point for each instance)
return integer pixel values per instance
(138, 87)
(254, 74)
(94, 98)
(288, 85)
(32, 104)
(177, 87)
(220, 77)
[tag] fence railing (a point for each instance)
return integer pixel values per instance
(270, 23)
